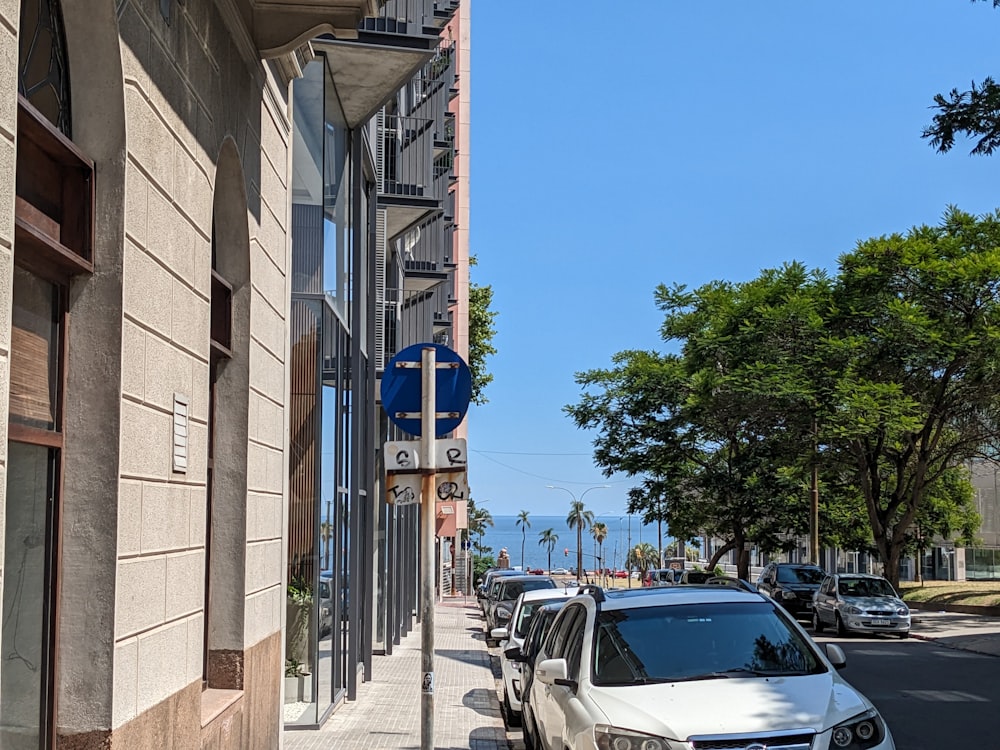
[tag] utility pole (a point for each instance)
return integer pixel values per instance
(628, 565)
(428, 457)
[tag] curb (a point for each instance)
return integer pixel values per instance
(953, 647)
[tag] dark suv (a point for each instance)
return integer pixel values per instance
(792, 585)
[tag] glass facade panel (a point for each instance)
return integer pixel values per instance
(27, 594)
(337, 216)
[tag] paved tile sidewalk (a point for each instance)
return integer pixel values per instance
(387, 713)
(966, 632)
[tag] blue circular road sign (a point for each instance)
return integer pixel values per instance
(401, 387)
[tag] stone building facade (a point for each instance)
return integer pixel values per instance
(144, 281)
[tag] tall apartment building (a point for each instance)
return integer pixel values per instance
(379, 262)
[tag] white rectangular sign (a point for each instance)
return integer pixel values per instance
(452, 455)
(451, 485)
(402, 489)
(402, 455)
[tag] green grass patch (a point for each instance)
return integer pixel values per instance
(965, 593)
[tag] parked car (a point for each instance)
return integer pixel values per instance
(501, 606)
(860, 603)
(659, 577)
(512, 635)
(602, 678)
(484, 583)
(696, 577)
(559, 572)
(539, 628)
(792, 585)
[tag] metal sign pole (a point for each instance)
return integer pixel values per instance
(428, 427)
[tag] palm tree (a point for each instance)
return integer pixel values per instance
(579, 518)
(600, 532)
(642, 557)
(548, 539)
(326, 533)
(524, 524)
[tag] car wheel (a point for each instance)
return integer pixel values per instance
(817, 623)
(513, 719)
(841, 628)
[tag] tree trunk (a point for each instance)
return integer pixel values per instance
(891, 562)
(579, 552)
(724, 549)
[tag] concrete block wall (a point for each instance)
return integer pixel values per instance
(187, 89)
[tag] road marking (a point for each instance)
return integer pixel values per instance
(960, 655)
(945, 696)
(877, 652)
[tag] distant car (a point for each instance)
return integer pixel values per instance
(792, 585)
(559, 572)
(621, 574)
(484, 583)
(512, 636)
(860, 603)
(501, 605)
(695, 577)
(659, 577)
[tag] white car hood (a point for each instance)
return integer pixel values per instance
(727, 706)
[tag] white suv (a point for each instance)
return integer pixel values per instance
(512, 636)
(689, 668)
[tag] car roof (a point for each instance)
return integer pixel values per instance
(860, 575)
(535, 594)
(797, 565)
(527, 577)
(676, 595)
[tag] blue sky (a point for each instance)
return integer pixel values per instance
(678, 143)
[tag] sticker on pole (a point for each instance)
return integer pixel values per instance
(402, 386)
(427, 683)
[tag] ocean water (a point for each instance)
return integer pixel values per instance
(505, 533)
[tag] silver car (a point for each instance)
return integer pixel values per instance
(860, 603)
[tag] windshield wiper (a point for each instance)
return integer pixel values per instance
(724, 674)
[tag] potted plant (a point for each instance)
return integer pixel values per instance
(298, 687)
(298, 621)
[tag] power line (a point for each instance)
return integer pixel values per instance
(541, 476)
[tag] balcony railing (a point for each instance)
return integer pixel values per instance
(407, 17)
(429, 92)
(411, 317)
(426, 252)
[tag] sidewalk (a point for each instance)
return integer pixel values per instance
(386, 714)
(966, 632)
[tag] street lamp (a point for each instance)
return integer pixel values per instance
(579, 530)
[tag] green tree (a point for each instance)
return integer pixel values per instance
(975, 112)
(917, 347)
(599, 530)
(524, 524)
(479, 519)
(548, 539)
(579, 518)
(643, 557)
(481, 333)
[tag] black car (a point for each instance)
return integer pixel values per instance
(792, 585)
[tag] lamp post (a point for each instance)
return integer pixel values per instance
(579, 530)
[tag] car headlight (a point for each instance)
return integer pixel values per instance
(503, 614)
(614, 738)
(863, 731)
(902, 611)
(854, 611)
(787, 594)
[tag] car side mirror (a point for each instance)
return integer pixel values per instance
(550, 670)
(479, 581)
(836, 655)
(514, 654)
(499, 634)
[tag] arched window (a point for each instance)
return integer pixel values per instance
(43, 73)
(53, 243)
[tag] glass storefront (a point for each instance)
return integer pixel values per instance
(328, 503)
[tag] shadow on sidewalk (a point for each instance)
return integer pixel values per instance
(468, 656)
(482, 701)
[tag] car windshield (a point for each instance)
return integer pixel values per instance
(865, 587)
(514, 589)
(698, 576)
(721, 639)
(800, 575)
(528, 610)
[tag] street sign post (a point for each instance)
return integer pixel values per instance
(417, 382)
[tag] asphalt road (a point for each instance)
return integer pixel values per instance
(932, 697)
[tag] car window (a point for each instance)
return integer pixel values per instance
(865, 587)
(800, 575)
(720, 639)
(324, 589)
(514, 589)
(574, 646)
(526, 615)
(555, 644)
